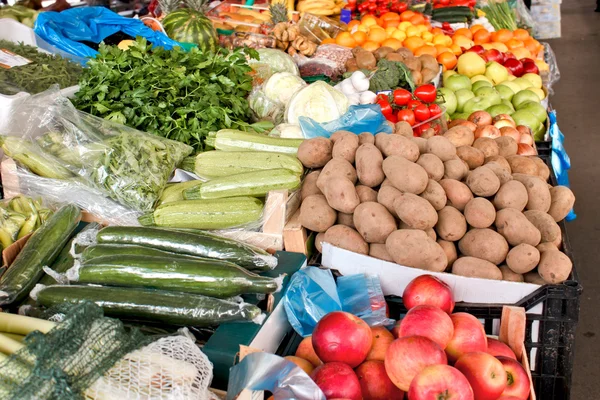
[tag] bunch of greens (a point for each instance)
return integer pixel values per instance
(172, 93)
(391, 75)
(44, 71)
(500, 15)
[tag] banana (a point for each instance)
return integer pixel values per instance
(5, 239)
(28, 226)
(322, 12)
(314, 4)
(15, 205)
(12, 227)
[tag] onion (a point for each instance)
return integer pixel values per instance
(467, 124)
(487, 131)
(503, 123)
(504, 116)
(524, 130)
(480, 118)
(525, 150)
(512, 132)
(456, 122)
(526, 139)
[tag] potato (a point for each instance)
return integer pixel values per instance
(368, 165)
(474, 267)
(403, 128)
(558, 242)
(366, 137)
(512, 194)
(435, 194)
(386, 182)
(501, 161)
(404, 225)
(538, 194)
(460, 136)
(473, 157)
(487, 145)
(555, 266)
(441, 147)
(380, 139)
(483, 182)
(516, 228)
(450, 250)
(365, 193)
(502, 174)
(316, 214)
(386, 197)
(319, 241)
(522, 258)
(345, 219)
(421, 143)
(509, 275)
(458, 193)
(522, 165)
(542, 169)
(413, 248)
(486, 244)
(405, 175)
(451, 224)
(378, 250)
(427, 133)
(480, 213)
(339, 134)
(315, 153)
(548, 228)
(507, 146)
(336, 168)
(429, 62)
(561, 203)
(345, 147)
(309, 185)
(534, 277)
(344, 237)
(396, 145)
(341, 195)
(374, 222)
(433, 165)
(427, 74)
(431, 233)
(417, 212)
(455, 169)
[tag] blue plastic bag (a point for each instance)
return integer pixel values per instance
(362, 296)
(65, 30)
(559, 158)
(358, 119)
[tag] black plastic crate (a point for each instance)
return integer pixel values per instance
(544, 148)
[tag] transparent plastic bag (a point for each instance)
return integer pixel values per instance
(358, 119)
(127, 165)
(552, 76)
(370, 308)
(329, 60)
(522, 15)
(271, 61)
(264, 108)
(268, 101)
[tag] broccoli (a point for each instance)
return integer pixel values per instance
(391, 75)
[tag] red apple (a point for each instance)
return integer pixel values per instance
(477, 49)
(469, 336)
(518, 384)
(514, 66)
(530, 68)
(440, 382)
(407, 356)
(341, 336)
(427, 289)
(337, 380)
(508, 398)
(428, 321)
(497, 348)
(382, 338)
(494, 55)
(485, 373)
(375, 383)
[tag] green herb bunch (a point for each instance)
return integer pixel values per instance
(172, 93)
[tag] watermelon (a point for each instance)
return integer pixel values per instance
(190, 26)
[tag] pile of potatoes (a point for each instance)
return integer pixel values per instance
(447, 203)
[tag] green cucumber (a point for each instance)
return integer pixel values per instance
(173, 308)
(458, 10)
(214, 278)
(41, 249)
(451, 19)
(194, 244)
(104, 250)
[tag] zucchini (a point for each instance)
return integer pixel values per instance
(257, 183)
(208, 277)
(205, 214)
(174, 192)
(234, 140)
(151, 305)
(194, 244)
(41, 249)
(215, 164)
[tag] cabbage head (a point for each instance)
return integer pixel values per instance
(319, 101)
(282, 85)
(272, 61)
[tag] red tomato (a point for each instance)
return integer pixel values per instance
(402, 97)
(402, 6)
(407, 115)
(422, 113)
(426, 93)
(418, 131)
(412, 104)
(434, 110)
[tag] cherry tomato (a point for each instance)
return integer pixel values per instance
(412, 104)
(372, 7)
(402, 6)
(437, 128)
(434, 110)
(407, 115)
(418, 131)
(422, 113)
(402, 97)
(426, 93)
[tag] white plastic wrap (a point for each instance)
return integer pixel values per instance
(553, 74)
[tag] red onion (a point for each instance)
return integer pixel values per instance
(487, 131)
(480, 118)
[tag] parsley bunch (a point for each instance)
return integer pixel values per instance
(172, 93)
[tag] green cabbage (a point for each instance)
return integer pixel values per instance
(272, 61)
(282, 85)
(318, 101)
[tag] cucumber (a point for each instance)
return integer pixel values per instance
(41, 249)
(452, 19)
(214, 278)
(194, 244)
(458, 10)
(103, 250)
(173, 308)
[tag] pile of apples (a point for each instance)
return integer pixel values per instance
(430, 354)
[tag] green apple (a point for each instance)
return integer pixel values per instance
(496, 72)
(505, 92)
(455, 116)
(479, 84)
(478, 78)
(499, 109)
(489, 93)
(537, 91)
(524, 117)
(513, 86)
(539, 132)
(447, 99)
(462, 96)
(446, 74)
(535, 79)
(523, 96)
(523, 83)
(477, 104)
(471, 64)
(457, 82)
(509, 105)
(536, 109)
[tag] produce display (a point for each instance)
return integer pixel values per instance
(20, 217)
(22, 14)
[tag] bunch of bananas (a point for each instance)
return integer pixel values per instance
(19, 217)
(320, 7)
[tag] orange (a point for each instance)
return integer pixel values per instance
(463, 41)
(363, 28)
(482, 36)
(532, 45)
(391, 42)
(427, 36)
(370, 46)
(437, 31)
(442, 49)
(390, 16)
(456, 49)
(447, 59)
(353, 23)
(513, 44)
(345, 39)
(389, 31)
(413, 43)
(392, 23)
(476, 27)
(412, 31)
(464, 32)
(487, 46)
(502, 36)
(521, 52)
(369, 20)
(360, 37)
(328, 41)
(407, 15)
(521, 34)
(499, 46)
(377, 35)
(426, 49)
(398, 34)
(417, 19)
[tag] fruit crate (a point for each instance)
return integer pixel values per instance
(544, 148)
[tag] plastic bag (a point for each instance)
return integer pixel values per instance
(559, 158)
(68, 29)
(358, 119)
(522, 15)
(130, 166)
(268, 101)
(271, 61)
(329, 60)
(552, 76)
(370, 308)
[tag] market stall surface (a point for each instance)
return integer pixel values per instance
(576, 100)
